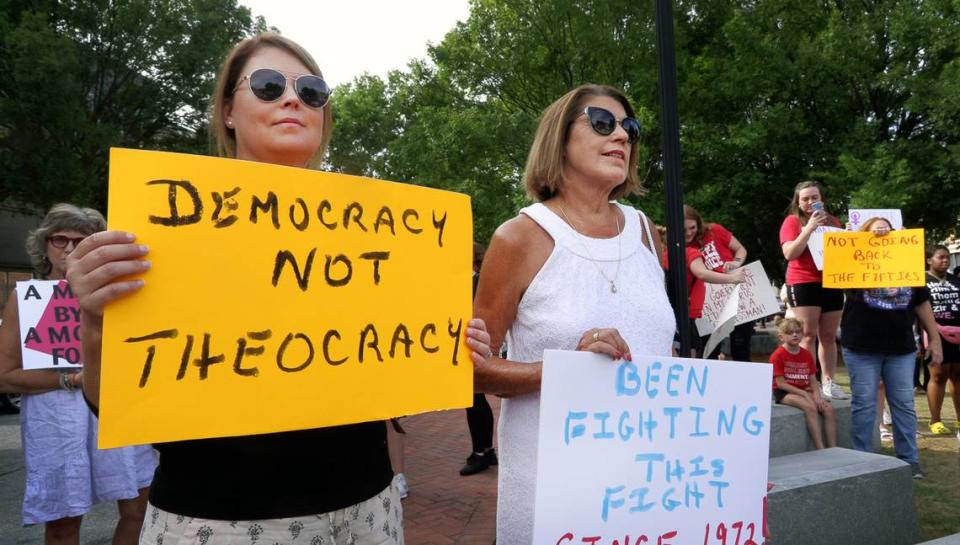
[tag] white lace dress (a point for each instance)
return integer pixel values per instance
(567, 297)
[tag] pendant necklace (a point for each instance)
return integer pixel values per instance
(611, 281)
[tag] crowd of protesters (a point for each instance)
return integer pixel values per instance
(575, 247)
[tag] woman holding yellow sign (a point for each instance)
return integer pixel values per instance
(66, 473)
(878, 343)
(329, 485)
(574, 271)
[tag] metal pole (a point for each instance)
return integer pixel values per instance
(670, 127)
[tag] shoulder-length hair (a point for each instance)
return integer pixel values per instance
(61, 217)
(690, 213)
(543, 175)
(223, 138)
(794, 207)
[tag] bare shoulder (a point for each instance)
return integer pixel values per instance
(518, 250)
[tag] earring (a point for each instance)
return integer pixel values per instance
(229, 124)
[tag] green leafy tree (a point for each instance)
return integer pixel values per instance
(85, 75)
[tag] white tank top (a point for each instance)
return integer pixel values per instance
(567, 297)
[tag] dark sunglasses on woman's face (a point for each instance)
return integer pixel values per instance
(269, 85)
(603, 122)
(61, 241)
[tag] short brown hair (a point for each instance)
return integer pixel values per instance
(223, 139)
(543, 174)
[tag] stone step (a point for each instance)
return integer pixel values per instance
(841, 496)
(945, 540)
(789, 435)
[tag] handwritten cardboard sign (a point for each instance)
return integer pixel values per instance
(815, 243)
(651, 451)
(49, 325)
(858, 216)
(280, 299)
(864, 260)
(756, 301)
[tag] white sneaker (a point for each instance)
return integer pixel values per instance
(887, 419)
(830, 389)
(400, 481)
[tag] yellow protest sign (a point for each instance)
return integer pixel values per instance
(280, 299)
(865, 260)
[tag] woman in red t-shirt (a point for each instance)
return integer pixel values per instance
(817, 307)
(713, 255)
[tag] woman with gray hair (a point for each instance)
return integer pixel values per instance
(66, 473)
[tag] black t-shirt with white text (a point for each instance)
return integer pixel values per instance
(880, 320)
(945, 299)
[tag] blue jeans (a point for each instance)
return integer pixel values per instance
(866, 370)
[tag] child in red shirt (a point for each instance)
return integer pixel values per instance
(795, 383)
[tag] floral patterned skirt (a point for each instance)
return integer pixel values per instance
(377, 521)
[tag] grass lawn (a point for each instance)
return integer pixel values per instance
(937, 496)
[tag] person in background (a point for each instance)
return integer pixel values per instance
(66, 473)
(945, 299)
(479, 415)
(817, 307)
(574, 271)
(795, 383)
(323, 485)
(718, 260)
(878, 344)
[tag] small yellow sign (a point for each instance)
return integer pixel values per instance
(281, 299)
(865, 260)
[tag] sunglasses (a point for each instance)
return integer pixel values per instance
(603, 122)
(269, 85)
(61, 241)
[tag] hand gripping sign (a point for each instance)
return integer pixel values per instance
(281, 299)
(651, 451)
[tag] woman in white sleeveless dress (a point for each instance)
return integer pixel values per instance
(575, 271)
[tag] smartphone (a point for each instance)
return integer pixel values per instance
(817, 207)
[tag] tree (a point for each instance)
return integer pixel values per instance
(83, 75)
(860, 95)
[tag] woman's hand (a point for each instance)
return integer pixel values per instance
(815, 221)
(934, 353)
(739, 276)
(478, 339)
(605, 341)
(95, 270)
(731, 265)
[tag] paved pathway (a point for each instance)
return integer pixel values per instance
(443, 507)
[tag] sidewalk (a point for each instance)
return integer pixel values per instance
(444, 508)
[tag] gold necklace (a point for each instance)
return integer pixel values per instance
(611, 281)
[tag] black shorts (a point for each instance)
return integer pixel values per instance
(813, 294)
(779, 394)
(951, 352)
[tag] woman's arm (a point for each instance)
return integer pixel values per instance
(929, 324)
(13, 378)
(703, 273)
(517, 252)
(794, 248)
(739, 254)
(94, 271)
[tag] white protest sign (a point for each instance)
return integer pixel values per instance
(858, 216)
(726, 321)
(655, 450)
(757, 300)
(49, 325)
(815, 243)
